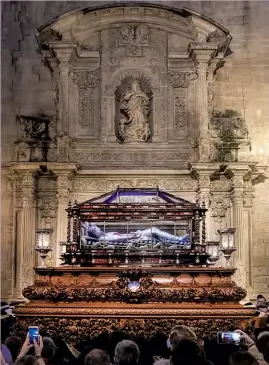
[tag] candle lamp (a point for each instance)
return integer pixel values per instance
(63, 247)
(212, 249)
(227, 243)
(43, 243)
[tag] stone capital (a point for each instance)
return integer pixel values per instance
(63, 167)
(64, 172)
(63, 195)
(239, 169)
(63, 50)
(24, 177)
(26, 167)
(202, 52)
(237, 172)
(28, 195)
(238, 197)
(203, 169)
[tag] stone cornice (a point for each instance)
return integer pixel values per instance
(208, 38)
(206, 168)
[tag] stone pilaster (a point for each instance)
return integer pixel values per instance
(202, 54)
(10, 204)
(24, 189)
(63, 52)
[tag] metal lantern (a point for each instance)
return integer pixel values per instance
(44, 243)
(227, 238)
(227, 243)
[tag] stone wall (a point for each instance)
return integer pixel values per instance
(242, 85)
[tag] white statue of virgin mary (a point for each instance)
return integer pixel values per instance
(134, 106)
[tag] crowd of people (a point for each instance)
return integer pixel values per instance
(182, 348)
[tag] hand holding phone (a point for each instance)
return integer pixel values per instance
(25, 347)
(33, 334)
(245, 339)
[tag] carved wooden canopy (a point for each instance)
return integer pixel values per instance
(124, 204)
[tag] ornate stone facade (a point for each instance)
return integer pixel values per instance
(175, 58)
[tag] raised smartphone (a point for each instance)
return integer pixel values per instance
(228, 337)
(33, 334)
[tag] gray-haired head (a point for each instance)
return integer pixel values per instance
(97, 357)
(126, 353)
(181, 332)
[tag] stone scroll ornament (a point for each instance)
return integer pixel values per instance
(134, 106)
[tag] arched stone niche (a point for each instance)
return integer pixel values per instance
(124, 87)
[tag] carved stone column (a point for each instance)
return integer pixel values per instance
(64, 181)
(238, 172)
(202, 53)
(27, 230)
(10, 204)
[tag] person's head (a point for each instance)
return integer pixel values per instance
(181, 332)
(49, 348)
(94, 231)
(242, 358)
(126, 353)
(27, 360)
(97, 357)
(14, 344)
(187, 352)
(260, 300)
(262, 344)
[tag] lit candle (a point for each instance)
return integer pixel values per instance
(127, 231)
(45, 239)
(231, 241)
(225, 241)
